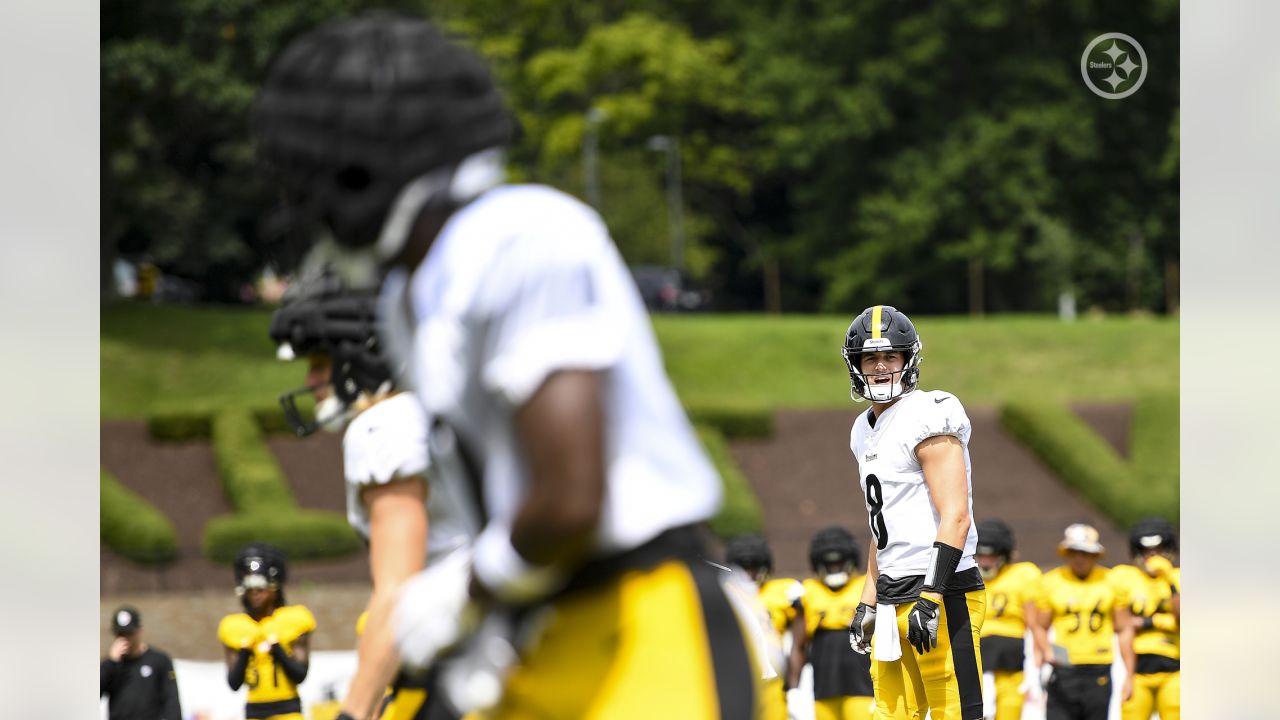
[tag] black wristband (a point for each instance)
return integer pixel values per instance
(943, 560)
(343, 716)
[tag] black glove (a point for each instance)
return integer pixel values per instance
(922, 625)
(862, 627)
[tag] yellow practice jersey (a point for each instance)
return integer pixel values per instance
(1082, 613)
(266, 682)
(781, 597)
(1007, 595)
(1149, 597)
(829, 609)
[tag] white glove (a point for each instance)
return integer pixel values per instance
(798, 706)
(1031, 687)
(434, 611)
(1046, 674)
(862, 628)
(472, 679)
(988, 696)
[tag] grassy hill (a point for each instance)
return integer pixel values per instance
(165, 358)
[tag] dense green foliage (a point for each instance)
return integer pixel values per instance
(946, 155)
(159, 359)
(1085, 461)
(133, 527)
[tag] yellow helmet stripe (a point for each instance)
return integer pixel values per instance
(875, 321)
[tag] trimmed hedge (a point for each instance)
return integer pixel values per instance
(272, 421)
(266, 509)
(250, 475)
(735, 422)
(178, 427)
(133, 527)
(741, 510)
(1154, 438)
(302, 534)
(1086, 462)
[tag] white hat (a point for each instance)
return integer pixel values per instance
(1081, 537)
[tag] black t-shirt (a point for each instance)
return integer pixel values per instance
(141, 688)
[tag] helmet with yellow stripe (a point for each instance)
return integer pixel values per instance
(882, 329)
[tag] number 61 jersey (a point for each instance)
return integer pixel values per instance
(903, 518)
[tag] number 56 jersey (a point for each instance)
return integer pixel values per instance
(903, 518)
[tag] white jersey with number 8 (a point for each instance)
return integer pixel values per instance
(903, 518)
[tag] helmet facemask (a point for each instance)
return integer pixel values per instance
(901, 382)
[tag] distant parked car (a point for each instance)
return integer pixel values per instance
(664, 289)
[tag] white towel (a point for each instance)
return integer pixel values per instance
(886, 646)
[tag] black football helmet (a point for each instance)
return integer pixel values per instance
(366, 120)
(1152, 532)
(750, 552)
(260, 566)
(321, 315)
(833, 545)
(995, 538)
(881, 328)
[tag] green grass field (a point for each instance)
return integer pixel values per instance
(170, 359)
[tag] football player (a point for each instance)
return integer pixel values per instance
(1010, 602)
(841, 677)
(267, 647)
(924, 599)
(385, 467)
(781, 598)
(1083, 606)
(1150, 588)
(529, 341)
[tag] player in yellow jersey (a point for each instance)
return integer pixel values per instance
(841, 677)
(267, 647)
(1085, 609)
(781, 599)
(1150, 587)
(1010, 602)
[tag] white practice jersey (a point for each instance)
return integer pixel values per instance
(389, 441)
(904, 521)
(522, 282)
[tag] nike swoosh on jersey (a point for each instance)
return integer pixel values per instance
(938, 400)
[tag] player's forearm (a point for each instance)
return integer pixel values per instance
(236, 668)
(953, 527)
(377, 660)
(873, 575)
(1040, 638)
(562, 434)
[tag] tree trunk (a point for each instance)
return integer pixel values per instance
(772, 284)
(1171, 288)
(976, 290)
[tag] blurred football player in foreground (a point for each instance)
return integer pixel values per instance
(528, 341)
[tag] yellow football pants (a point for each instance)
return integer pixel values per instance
(850, 707)
(773, 700)
(1009, 697)
(656, 643)
(1154, 692)
(946, 681)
